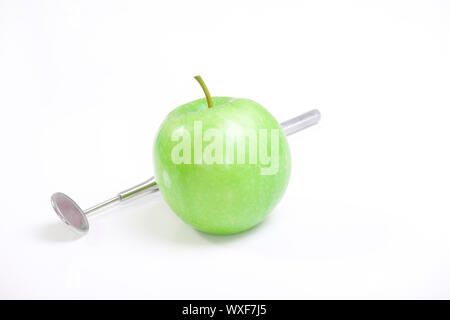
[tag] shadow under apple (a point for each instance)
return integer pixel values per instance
(153, 220)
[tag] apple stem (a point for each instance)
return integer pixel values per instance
(205, 90)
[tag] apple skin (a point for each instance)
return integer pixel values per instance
(220, 198)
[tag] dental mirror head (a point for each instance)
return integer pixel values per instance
(70, 212)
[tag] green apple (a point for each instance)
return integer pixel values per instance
(222, 164)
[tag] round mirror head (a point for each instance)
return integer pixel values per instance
(70, 212)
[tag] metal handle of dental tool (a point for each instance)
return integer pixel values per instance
(69, 211)
(301, 122)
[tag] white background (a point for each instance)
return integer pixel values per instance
(84, 86)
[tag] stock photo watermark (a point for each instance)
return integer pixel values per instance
(231, 147)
